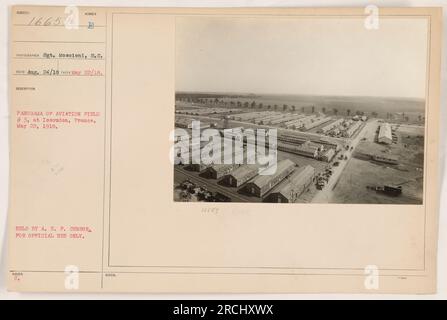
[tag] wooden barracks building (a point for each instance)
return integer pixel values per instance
(241, 175)
(293, 186)
(260, 185)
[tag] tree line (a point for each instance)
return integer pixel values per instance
(234, 102)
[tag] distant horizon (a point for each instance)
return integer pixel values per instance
(299, 94)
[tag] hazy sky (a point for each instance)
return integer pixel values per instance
(324, 56)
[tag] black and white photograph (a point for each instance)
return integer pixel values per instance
(336, 104)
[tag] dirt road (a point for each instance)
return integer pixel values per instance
(325, 195)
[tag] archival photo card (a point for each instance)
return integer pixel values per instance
(225, 150)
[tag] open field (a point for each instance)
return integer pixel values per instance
(409, 149)
(360, 173)
(351, 188)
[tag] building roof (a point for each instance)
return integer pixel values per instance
(185, 121)
(387, 157)
(296, 180)
(244, 170)
(305, 148)
(282, 166)
(293, 147)
(385, 131)
(221, 168)
(309, 146)
(353, 128)
(331, 125)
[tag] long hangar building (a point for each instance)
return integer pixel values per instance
(287, 183)
(385, 135)
(260, 185)
(292, 187)
(241, 175)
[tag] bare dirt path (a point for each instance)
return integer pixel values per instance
(325, 195)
